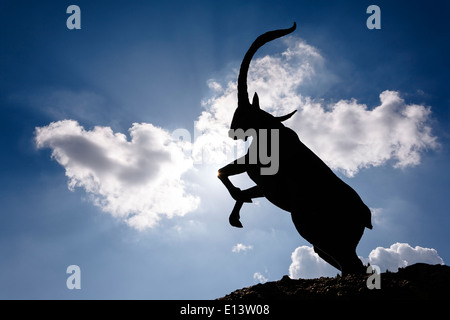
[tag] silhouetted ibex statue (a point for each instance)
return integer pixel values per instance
(326, 211)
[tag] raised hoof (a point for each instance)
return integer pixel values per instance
(235, 222)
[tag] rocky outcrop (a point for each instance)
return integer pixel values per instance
(417, 282)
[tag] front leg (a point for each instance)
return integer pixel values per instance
(254, 192)
(235, 217)
(240, 196)
(230, 170)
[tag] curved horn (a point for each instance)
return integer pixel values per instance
(258, 43)
(286, 116)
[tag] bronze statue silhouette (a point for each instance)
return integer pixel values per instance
(326, 211)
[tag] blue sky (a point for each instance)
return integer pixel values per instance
(156, 67)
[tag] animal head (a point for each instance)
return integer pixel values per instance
(250, 115)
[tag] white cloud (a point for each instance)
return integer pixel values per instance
(347, 135)
(400, 255)
(378, 216)
(307, 264)
(138, 180)
(241, 247)
(259, 278)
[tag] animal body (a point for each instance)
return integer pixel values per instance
(326, 211)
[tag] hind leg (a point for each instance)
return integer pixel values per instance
(345, 252)
(325, 256)
(342, 258)
(351, 264)
(337, 246)
(305, 229)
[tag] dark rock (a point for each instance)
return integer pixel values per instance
(416, 282)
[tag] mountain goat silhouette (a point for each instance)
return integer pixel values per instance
(326, 211)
